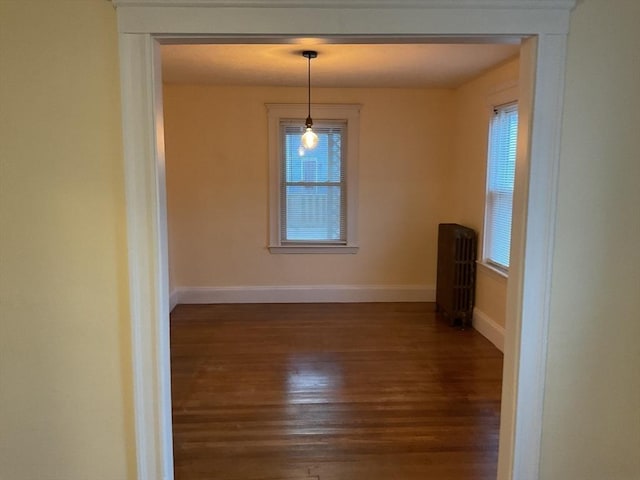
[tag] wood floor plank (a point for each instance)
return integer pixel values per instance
(331, 392)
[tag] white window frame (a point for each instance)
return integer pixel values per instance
(504, 96)
(321, 113)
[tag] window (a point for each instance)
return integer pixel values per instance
(313, 193)
(312, 187)
(503, 134)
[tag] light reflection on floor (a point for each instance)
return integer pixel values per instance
(314, 378)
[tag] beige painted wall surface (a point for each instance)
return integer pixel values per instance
(65, 401)
(473, 103)
(591, 428)
(217, 180)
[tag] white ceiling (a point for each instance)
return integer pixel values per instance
(337, 65)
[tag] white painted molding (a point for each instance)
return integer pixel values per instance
(489, 329)
(349, 113)
(444, 4)
(306, 294)
(529, 286)
(147, 250)
(174, 299)
(171, 19)
(488, 270)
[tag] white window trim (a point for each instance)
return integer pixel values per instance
(327, 112)
(503, 95)
(492, 270)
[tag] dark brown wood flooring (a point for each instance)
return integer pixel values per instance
(331, 392)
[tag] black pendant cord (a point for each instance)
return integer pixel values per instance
(309, 84)
(309, 54)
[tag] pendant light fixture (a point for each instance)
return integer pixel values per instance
(309, 138)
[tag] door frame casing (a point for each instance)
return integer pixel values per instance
(144, 24)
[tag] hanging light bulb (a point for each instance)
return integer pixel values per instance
(309, 138)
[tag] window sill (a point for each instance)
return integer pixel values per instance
(493, 271)
(338, 249)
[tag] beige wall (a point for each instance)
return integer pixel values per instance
(217, 180)
(591, 428)
(425, 167)
(472, 109)
(65, 400)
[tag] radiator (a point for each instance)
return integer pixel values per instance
(455, 284)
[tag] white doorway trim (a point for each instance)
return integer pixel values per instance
(144, 23)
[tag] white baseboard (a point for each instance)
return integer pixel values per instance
(304, 294)
(174, 298)
(489, 328)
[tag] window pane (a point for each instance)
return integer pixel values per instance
(313, 213)
(499, 213)
(312, 196)
(500, 183)
(327, 156)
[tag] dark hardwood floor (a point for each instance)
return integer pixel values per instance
(331, 392)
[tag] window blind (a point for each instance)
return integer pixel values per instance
(500, 183)
(313, 186)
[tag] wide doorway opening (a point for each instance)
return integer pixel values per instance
(331, 366)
